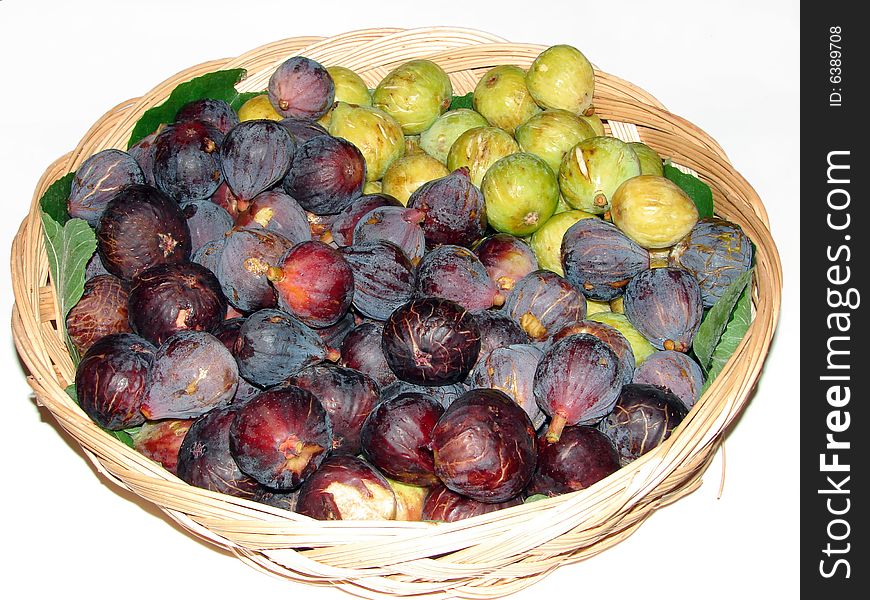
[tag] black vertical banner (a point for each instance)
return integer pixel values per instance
(835, 353)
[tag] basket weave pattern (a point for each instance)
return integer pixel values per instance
(483, 557)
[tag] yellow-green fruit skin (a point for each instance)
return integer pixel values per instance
(650, 161)
(478, 149)
(551, 133)
(437, 140)
(546, 242)
(412, 145)
(653, 211)
(640, 346)
(502, 98)
(374, 132)
(594, 306)
(593, 169)
(561, 77)
(258, 107)
(373, 187)
(410, 172)
(595, 122)
(414, 94)
(409, 500)
(349, 87)
(521, 194)
(563, 206)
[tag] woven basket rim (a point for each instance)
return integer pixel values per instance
(633, 492)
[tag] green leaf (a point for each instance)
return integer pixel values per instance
(54, 200)
(737, 327)
(123, 436)
(219, 85)
(462, 101)
(716, 319)
(698, 191)
(69, 247)
(535, 498)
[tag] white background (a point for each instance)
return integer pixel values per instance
(731, 68)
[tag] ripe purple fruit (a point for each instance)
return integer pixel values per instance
(577, 382)
(442, 504)
(140, 228)
(395, 224)
(581, 457)
(301, 88)
(612, 337)
(512, 370)
(170, 298)
(143, 153)
(397, 437)
(204, 458)
(326, 175)
(216, 113)
(455, 273)
(206, 222)
(599, 259)
(498, 330)
(347, 487)
(97, 181)
(254, 156)
(716, 252)
(507, 260)
(187, 163)
(383, 277)
(431, 341)
(314, 283)
(347, 395)
(276, 499)
(272, 346)
(224, 197)
(161, 440)
(111, 380)
(361, 350)
(334, 335)
(303, 130)
(243, 266)
(665, 306)
(644, 417)
(444, 394)
(542, 303)
(454, 208)
(102, 310)
(209, 255)
(484, 446)
(276, 211)
(676, 372)
(281, 437)
(193, 373)
(344, 223)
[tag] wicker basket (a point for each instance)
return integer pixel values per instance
(483, 557)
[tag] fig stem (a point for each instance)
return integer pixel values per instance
(554, 432)
(274, 274)
(332, 354)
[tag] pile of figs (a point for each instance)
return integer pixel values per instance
(360, 304)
